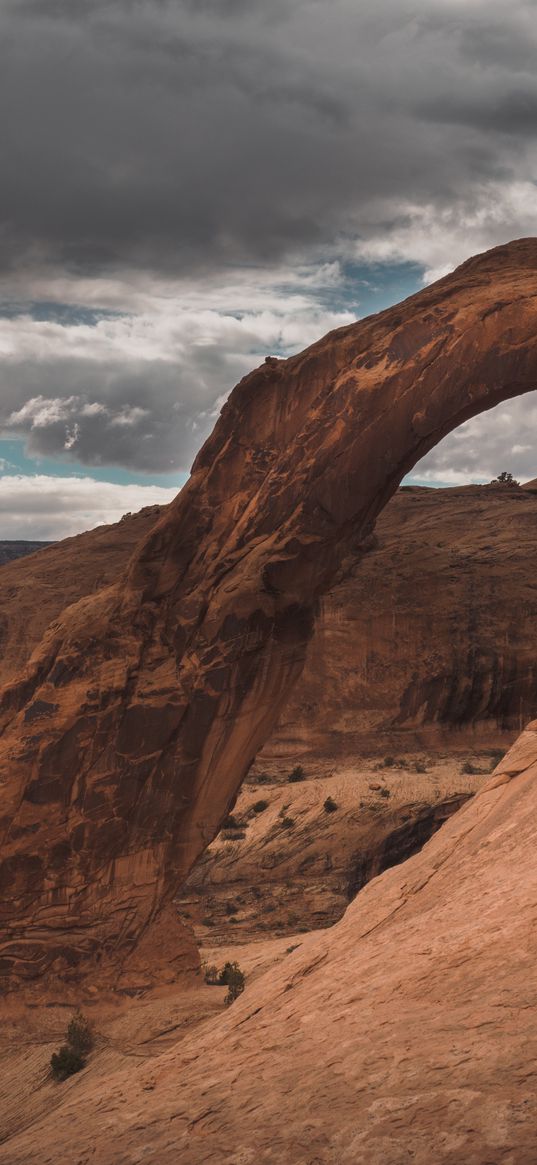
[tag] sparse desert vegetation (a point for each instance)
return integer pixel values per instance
(72, 1055)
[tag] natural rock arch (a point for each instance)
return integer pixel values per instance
(125, 741)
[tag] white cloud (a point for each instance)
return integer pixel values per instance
(439, 238)
(505, 438)
(49, 508)
(141, 388)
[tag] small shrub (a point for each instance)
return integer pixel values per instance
(420, 767)
(389, 762)
(211, 974)
(231, 908)
(469, 769)
(79, 1034)
(71, 1056)
(384, 792)
(232, 977)
(260, 806)
(207, 921)
(233, 835)
(287, 822)
(263, 779)
(66, 1062)
(330, 805)
(505, 479)
(296, 774)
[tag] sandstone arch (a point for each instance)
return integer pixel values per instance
(126, 739)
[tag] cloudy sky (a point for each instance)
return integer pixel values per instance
(188, 185)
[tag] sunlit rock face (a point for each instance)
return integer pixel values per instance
(125, 741)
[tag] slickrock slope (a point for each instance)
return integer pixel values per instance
(407, 1032)
(125, 742)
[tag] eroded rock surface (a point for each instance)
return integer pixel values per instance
(125, 741)
(406, 1032)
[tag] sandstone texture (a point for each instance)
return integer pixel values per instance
(34, 591)
(430, 641)
(126, 739)
(407, 1032)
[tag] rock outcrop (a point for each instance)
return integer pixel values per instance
(126, 739)
(407, 1032)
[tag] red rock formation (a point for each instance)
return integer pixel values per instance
(126, 740)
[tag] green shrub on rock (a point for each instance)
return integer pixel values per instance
(79, 1034)
(72, 1055)
(232, 977)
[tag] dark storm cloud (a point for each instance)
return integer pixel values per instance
(176, 174)
(184, 136)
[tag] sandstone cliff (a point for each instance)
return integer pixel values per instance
(125, 741)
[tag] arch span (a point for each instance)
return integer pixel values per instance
(124, 743)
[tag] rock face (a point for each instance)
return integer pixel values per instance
(125, 741)
(407, 1032)
(430, 642)
(33, 593)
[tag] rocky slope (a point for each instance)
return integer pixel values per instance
(406, 1032)
(125, 742)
